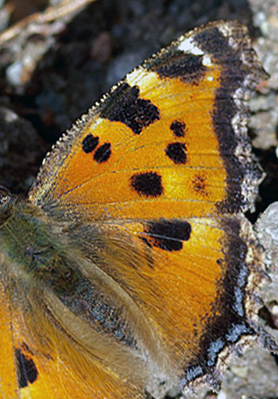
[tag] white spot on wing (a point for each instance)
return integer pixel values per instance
(207, 61)
(235, 332)
(213, 351)
(225, 29)
(188, 46)
(193, 373)
(238, 306)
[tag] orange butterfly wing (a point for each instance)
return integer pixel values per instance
(150, 187)
(39, 361)
(112, 156)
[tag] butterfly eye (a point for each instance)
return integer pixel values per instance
(5, 196)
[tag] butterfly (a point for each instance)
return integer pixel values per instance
(130, 270)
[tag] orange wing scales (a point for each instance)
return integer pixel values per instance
(46, 363)
(131, 266)
(8, 379)
(172, 163)
(182, 269)
(176, 263)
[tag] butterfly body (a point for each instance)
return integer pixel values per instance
(130, 267)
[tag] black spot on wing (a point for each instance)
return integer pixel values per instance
(177, 152)
(168, 235)
(103, 153)
(148, 184)
(90, 143)
(26, 369)
(124, 105)
(199, 184)
(177, 64)
(178, 128)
